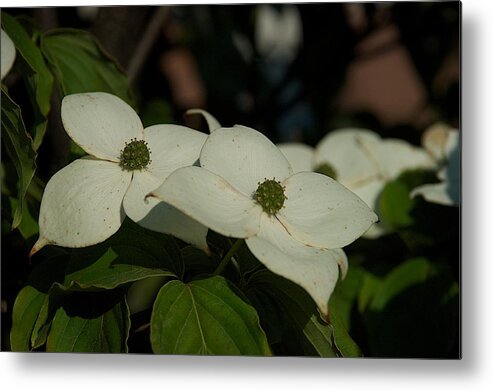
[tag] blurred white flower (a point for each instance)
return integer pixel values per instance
(443, 144)
(295, 224)
(7, 54)
(86, 202)
(361, 161)
(278, 32)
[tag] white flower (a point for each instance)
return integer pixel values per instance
(442, 143)
(294, 224)
(7, 54)
(87, 201)
(361, 161)
(278, 32)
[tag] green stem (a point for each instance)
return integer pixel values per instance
(232, 251)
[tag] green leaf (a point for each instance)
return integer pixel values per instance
(131, 254)
(342, 341)
(196, 261)
(345, 294)
(52, 302)
(395, 205)
(81, 65)
(19, 147)
(35, 72)
(91, 322)
(31, 299)
(307, 333)
(415, 313)
(28, 227)
(27, 306)
(205, 317)
(402, 277)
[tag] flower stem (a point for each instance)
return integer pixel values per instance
(232, 251)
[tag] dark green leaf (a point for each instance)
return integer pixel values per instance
(130, 255)
(27, 306)
(19, 147)
(415, 313)
(395, 205)
(91, 322)
(205, 317)
(34, 70)
(342, 341)
(307, 333)
(53, 301)
(31, 299)
(80, 64)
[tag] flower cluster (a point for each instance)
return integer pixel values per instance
(442, 143)
(360, 160)
(86, 202)
(179, 181)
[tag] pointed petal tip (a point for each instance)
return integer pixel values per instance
(324, 313)
(40, 243)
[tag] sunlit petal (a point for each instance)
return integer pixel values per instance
(316, 270)
(100, 123)
(300, 156)
(7, 54)
(212, 122)
(209, 199)
(172, 147)
(243, 157)
(320, 212)
(82, 203)
(158, 216)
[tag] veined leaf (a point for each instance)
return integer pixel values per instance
(81, 65)
(205, 317)
(35, 72)
(307, 333)
(19, 147)
(91, 322)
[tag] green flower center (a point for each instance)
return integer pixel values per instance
(327, 169)
(270, 195)
(135, 155)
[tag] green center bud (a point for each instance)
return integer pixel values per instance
(135, 155)
(270, 195)
(327, 169)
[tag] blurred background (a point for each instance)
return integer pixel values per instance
(292, 71)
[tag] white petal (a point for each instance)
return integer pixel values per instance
(7, 54)
(350, 153)
(243, 157)
(453, 142)
(212, 122)
(212, 201)
(438, 193)
(396, 156)
(300, 156)
(82, 203)
(172, 147)
(316, 270)
(158, 216)
(369, 191)
(100, 123)
(434, 140)
(320, 212)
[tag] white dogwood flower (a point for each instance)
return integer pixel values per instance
(86, 202)
(361, 161)
(443, 144)
(7, 54)
(295, 224)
